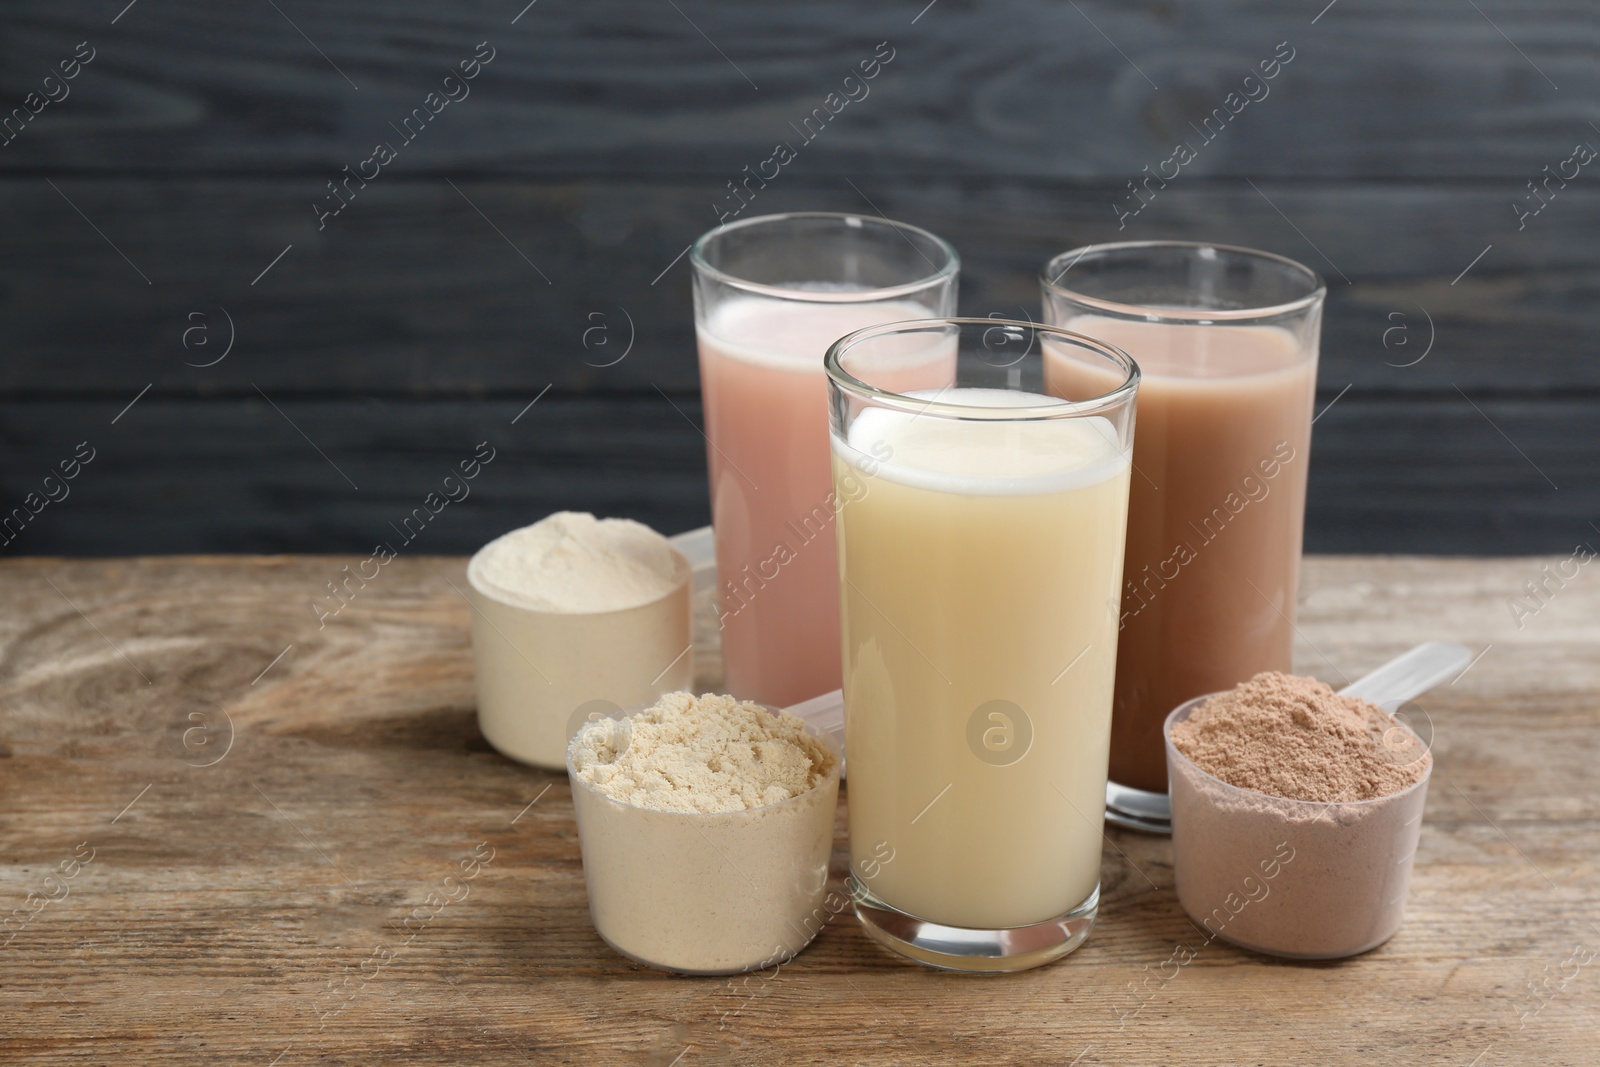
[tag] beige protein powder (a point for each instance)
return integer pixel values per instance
(571, 615)
(706, 825)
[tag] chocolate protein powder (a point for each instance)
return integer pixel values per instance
(1296, 738)
(1295, 816)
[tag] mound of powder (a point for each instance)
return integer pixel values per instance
(572, 562)
(706, 825)
(1295, 737)
(700, 754)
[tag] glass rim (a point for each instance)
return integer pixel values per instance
(698, 261)
(1060, 409)
(1188, 706)
(1318, 291)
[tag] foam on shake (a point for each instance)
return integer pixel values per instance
(794, 335)
(984, 457)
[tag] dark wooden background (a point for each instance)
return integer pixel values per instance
(379, 351)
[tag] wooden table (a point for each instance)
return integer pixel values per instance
(232, 821)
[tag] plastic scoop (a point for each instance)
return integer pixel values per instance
(1409, 676)
(826, 713)
(1403, 678)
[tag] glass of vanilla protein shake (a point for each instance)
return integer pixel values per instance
(770, 295)
(981, 528)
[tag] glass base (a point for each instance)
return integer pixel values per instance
(959, 948)
(770, 960)
(1137, 809)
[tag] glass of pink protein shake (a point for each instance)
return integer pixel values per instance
(1226, 340)
(770, 295)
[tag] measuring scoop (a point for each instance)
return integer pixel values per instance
(1403, 678)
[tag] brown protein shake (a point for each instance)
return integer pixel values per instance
(1217, 503)
(1226, 340)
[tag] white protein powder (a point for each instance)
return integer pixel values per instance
(706, 826)
(570, 615)
(572, 562)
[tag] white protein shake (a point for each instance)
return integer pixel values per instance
(980, 569)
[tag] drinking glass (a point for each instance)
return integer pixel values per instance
(1226, 340)
(981, 527)
(770, 294)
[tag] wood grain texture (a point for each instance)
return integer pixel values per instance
(168, 201)
(407, 334)
(231, 912)
(412, 292)
(349, 472)
(1431, 474)
(1019, 87)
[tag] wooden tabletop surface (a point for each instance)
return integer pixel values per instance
(215, 819)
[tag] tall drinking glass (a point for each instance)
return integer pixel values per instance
(981, 529)
(1226, 339)
(770, 295)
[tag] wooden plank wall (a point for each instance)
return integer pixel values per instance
(161, 205)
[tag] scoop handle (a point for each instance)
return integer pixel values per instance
(1408, 676)
(826, 713)
(1403, 678)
